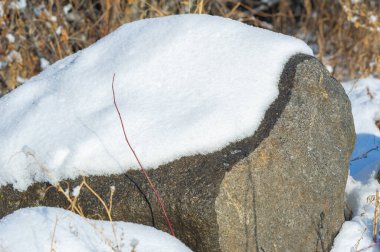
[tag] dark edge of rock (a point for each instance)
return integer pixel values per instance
(275, 110)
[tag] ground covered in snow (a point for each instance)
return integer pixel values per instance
(54, 229)
(357, 234)
(179, 81)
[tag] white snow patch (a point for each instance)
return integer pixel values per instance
(112, 189)
(58, 30)
(44, 63)
(329, 68)
(42, 228)
(76, 191)
(10, 38)
(364, 95)
(20, 80)
(185, 85)
(373, 18)
(67, 8)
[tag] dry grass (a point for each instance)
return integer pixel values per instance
(73, 200)
(344, 35)
(72, 196)
(376, 217)
(75, 207)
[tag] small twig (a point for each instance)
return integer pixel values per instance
(73, 205)
(355, 248)
(138, 161)
(364, 155)
(108, 209)
(100, 199)
(76, 208)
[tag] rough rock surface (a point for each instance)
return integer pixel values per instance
(280, 190)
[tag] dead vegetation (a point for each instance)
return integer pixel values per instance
(344, 34)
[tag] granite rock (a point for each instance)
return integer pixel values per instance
(282, 189)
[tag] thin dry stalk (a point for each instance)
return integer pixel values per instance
(108, 209)
(75, 207)
(355, 248)
(52, 249)
(375, 217)
(200, 7)
(73, 204)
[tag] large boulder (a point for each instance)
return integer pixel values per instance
(282, 189)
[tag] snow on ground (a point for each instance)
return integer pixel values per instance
(365, 99)
(185, 84)
(45, 228)
(364, 95)
(356, 235)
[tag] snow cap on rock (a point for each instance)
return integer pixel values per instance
(185, 85)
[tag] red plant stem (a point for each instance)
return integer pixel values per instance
(138, 161)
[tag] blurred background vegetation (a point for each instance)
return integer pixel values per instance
(344, 34)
